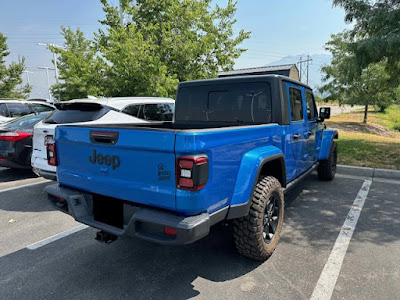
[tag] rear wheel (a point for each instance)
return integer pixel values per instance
(327, 168)
(257, 234)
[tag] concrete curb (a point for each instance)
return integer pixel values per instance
(368, 172)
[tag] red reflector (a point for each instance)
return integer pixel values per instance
(3, 159)
(186, 182)
(14, 136)
(169, 231)
(200, 160)
(59, 199)
(51, 154)
(186, 164)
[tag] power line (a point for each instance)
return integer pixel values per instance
(306, 70)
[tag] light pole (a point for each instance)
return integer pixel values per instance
(28, 79)
(54, 56)
(27, 76)
(48, 79)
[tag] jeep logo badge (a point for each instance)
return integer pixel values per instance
(107, 160)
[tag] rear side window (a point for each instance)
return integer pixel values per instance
(76, 112)
(311, 109)
(18, 109)
(296, 104)
(41, 108)
(3, 110)
(157, 112)
(242, 103)
(132, 110)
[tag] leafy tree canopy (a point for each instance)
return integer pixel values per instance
(11, 76)
(161, 44)
(343, 82)
(82, 71)
(376, 35)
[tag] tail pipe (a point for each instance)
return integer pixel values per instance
(105, 237)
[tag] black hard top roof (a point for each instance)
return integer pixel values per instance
(247, 78)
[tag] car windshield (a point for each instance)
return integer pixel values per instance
(25, 122)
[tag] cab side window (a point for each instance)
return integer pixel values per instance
(311, 109)
(3, 110)
(296, 104)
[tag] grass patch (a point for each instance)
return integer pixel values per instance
(375, 144)
(369, 150)
(390, 119)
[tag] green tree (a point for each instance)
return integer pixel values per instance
(82, 71)
(344, 82)
(161, 44)
(11, 76)
(193, 39)
(376, 33)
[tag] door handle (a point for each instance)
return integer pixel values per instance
(296, 136)
(307, 134)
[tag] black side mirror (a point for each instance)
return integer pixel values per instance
(324, 113)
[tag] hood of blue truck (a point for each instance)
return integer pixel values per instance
(133, 165)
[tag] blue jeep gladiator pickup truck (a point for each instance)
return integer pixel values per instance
(235, 146)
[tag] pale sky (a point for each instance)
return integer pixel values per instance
(279, 29)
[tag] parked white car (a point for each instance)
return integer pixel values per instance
(15, 108)
(95, 111)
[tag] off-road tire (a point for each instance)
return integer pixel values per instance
(248, 231)
(327, 167)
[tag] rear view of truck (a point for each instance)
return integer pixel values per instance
(223, 158)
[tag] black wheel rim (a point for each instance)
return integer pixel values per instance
(271, 218)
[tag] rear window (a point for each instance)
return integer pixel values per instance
(76, 112)
(25, 122)
(244, 103)
(41, 107)
(18, 109)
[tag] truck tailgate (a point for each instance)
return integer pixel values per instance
(129, 164)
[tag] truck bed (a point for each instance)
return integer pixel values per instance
(147, 157)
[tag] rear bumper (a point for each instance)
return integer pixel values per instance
(45, 174)
(145, 223)
(41, 167)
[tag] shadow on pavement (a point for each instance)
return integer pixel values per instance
(129, 268)
(7, 175)
(26, 199)
(77, 267)
(317, 212)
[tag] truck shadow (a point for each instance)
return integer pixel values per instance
(128, 268)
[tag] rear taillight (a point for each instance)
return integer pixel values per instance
(51, 154)
(192, 172)
(14, 136)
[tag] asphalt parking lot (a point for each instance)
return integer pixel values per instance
(312, 248)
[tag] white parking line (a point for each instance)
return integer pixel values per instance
(327, 280)
(56, 237)
(24, 185)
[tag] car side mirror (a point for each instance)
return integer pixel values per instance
(324, 113)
